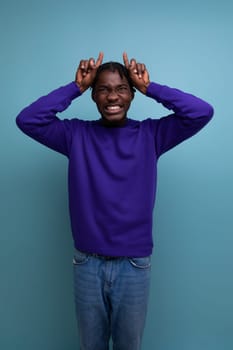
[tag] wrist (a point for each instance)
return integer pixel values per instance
(80, 86)
(144, 87)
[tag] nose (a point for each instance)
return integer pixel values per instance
(112, 95)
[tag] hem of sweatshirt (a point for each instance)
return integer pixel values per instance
(119, 253)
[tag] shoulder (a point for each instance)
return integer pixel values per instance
(147, 126)
(76, 122)
(147, 122)
(150, 123)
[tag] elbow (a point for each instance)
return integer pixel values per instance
(19, 122)
(205, 111)
(209, 112)
(22, 122)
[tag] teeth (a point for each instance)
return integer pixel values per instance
(113, 108)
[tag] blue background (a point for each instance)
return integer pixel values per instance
(185, 44)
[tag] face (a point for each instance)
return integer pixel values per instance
(113, 97)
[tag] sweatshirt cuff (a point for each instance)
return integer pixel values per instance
(154, 90)
(73, 90)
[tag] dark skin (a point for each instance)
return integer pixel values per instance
(113, 96)
(112, 93)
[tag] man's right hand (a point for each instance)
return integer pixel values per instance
(86, 72)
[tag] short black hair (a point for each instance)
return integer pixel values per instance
(113, 67)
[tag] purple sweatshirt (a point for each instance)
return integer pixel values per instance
(112, 171)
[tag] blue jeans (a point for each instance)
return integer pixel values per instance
(111, 298)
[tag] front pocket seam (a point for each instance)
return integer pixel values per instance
(75, 262)
(143, 267)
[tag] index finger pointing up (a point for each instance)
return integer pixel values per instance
(125, 59)
(99, 59)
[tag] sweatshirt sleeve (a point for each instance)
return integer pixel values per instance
(40, 122)
(190, 114)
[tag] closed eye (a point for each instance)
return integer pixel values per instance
(122, 88)
(102, 89)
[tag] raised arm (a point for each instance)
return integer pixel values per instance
(190, 113)
(39, 120)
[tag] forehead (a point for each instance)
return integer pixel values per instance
(111, 78)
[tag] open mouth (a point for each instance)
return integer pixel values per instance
(113, 109)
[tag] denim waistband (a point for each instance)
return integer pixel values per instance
(104, 257)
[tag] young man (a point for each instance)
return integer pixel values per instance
(112, 187)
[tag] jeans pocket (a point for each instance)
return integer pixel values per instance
(80, 258)
(141, 263)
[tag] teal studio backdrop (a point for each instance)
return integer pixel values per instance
(185, 44)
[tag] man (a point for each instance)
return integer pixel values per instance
(112, 187)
